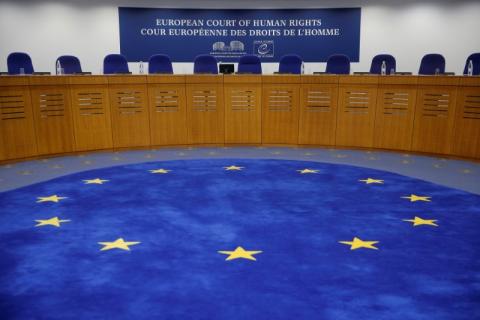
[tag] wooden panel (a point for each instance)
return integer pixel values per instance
(318, 114)
(130, 119)
(467, 123)
(356, 115)
(280, 105)
(434, 119)
(243, 113)
(17, 133)
(91, 117)
(394, 117)
(166, 78)
(53, 118)
(205, 117)
(168, 114)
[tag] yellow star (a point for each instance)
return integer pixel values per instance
(233, 168)
(53, 198)
(160, 171)
(118, 244)
(95, 181)
(308, 171)
(414, 198)
(50, 222)
(419, 221)
(240, 253)
(370, 180)
(357, 243)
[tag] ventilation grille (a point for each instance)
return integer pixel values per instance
(396, 103)
(318, 101)
(472, 107)
(357, 102)
(280, 100)
(129, 102)
(243, 100)
(166, 101)
(90, 103)
(436, 105)
(52, 105)
(205, 100)
(12, 107)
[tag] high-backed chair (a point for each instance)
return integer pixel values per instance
(475, 58)
(290, 63)
(390, 63)
(432, 63)
(205, 63)
(115, 63)
(338, 64)
(69, 64)
(160, 63)
(250, 64)
(18, 60)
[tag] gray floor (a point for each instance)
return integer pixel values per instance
(464, 175)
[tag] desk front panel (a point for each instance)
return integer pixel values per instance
(466, 137)
(205, 115)
(434, 119)
(53, 118)
(17, 131)
(130, 115)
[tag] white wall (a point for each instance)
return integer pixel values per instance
(89, 29)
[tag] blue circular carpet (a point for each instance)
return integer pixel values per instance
(239, 239)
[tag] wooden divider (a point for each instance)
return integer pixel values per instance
(205, 115)
(356, 111)
(243, 108)
(42, 115)
(129, 107)
(395, 113)
(466, 137)
(91, 112)
(318, 110)
(435, 114)
(168, 109)
(281, 100)
(17, 131)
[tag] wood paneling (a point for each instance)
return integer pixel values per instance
(356, 110)
(52, 114)
(168, 114)
(130, 123)
(280, 108)
(395, 112)
(243, 109)
(318, 110)
(17, 132)
(91, 113)
(466, 137)
(434, 114)
(205, 113)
